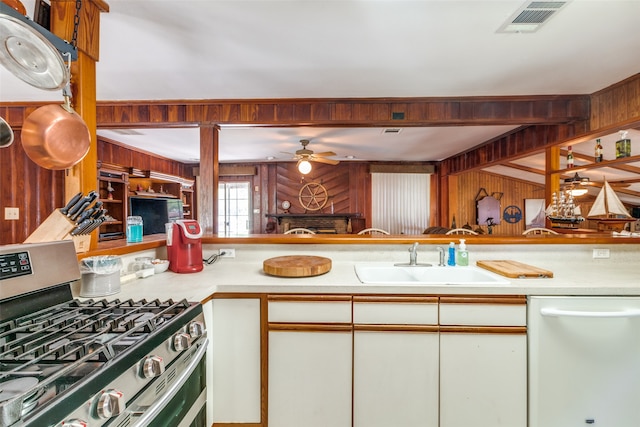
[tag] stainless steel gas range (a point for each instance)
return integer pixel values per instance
(69, 362)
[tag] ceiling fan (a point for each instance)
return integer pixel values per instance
(582, 180)
(305, 156)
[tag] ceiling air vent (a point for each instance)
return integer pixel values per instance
(531, 16)
(391, 130)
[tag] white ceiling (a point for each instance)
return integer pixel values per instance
(234, 49)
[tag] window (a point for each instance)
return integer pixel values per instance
(233, 208)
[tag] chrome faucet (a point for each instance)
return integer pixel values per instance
(440, 256)
(413, 254)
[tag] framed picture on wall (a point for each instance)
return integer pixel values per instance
(534, 215)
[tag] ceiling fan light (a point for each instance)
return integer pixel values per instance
(577, 192)
(304, 167)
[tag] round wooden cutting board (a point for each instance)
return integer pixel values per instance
(296, 266)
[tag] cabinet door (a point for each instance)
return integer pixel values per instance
(395, 379)
(483, 380)
(483, 362)
(310, 378)
(234, 380)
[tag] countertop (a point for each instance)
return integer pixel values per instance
(575, 272)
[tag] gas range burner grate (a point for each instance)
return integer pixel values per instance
(83, 330)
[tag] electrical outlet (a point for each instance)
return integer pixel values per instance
(12, 213)
(600, 253)
(228, 253)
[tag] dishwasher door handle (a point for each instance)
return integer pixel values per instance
(557, 312)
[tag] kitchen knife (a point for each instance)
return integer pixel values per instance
(80, 207)
(85, 215)
(95, 223)
(76, 208)
(78, 229)
(71, 203)
(79, 212)
(99, 213)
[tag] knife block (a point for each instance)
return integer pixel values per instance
(57, 227)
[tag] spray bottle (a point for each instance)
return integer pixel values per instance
(452, 254)
(463, 254)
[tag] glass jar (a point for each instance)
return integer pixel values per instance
(134, 229)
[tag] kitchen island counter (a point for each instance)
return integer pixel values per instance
(575, 272)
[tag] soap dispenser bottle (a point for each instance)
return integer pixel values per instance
(463, 254)
(452, 254)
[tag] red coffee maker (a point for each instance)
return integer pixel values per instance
(184, 246)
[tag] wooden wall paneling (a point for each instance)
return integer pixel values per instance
(454, 208)
(35, 191)
(518, 144)
(434, 217)
(616, 104)
(365, 111)
(118, 154)
(514, 192)
(359, 191)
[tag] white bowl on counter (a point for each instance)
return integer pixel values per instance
(160, 265)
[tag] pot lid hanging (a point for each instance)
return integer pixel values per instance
(28, 54)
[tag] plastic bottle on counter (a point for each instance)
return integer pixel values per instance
(463, 254)
(452, 254)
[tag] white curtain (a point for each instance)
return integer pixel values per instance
(400, 202)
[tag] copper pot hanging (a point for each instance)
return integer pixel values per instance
(55, 136)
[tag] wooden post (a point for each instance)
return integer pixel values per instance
(551, 180)
(83, 176)
(208, 179)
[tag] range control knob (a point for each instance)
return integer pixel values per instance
(74, 423)
(196, 329)
(110, 403)
(181, 341)
(152, 366)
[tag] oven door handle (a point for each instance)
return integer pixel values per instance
(150, 413)
(557, 312)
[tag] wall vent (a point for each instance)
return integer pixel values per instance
(531, 16)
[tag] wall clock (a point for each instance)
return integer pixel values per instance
(286, 205)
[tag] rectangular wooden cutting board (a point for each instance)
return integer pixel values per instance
(514, 269)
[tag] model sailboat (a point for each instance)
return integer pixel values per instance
(608, 210)
(563, 211)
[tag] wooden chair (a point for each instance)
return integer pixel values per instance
(299, 231)
(461, 231)
(539, 230)
(373, 231)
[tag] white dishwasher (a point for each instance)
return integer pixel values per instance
(584, 361)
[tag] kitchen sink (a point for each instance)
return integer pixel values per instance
(420, 275)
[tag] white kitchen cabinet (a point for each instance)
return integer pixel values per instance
(310, 362)
(483, 362)
(234, 383)
(395, 380)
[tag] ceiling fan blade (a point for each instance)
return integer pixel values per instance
(325, 154)
(324, 160)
